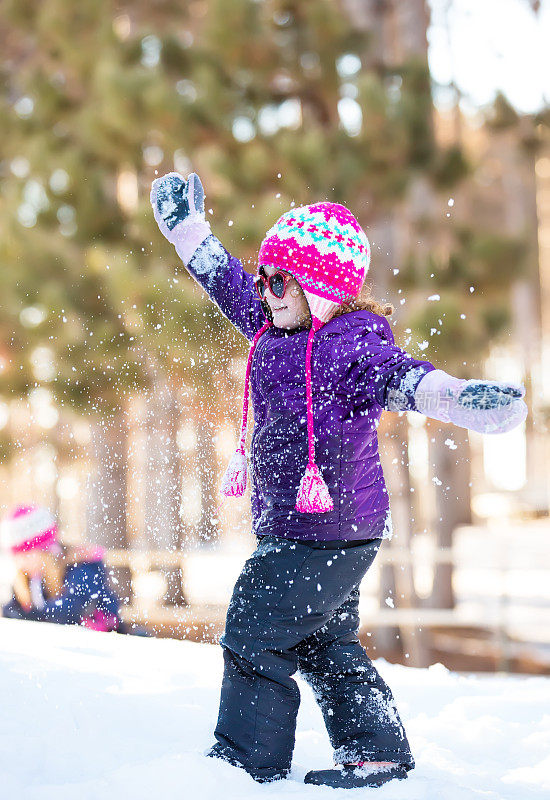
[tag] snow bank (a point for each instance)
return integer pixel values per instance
(103, 717)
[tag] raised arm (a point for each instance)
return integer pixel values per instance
(178, 207)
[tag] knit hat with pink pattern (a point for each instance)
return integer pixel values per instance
(29, 528)
(326, 250)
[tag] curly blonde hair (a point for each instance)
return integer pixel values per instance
(365, 302)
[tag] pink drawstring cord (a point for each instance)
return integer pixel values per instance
(234, 479)
(244, 423)
(309, 401)
(313, 495)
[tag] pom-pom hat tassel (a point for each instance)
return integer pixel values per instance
(234, 479)
(235, 476)
(313, 495)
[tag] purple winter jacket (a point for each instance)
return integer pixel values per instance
(357, 372)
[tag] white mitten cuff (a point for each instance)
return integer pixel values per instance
(188, 235)
(437, 396)
(436, 393)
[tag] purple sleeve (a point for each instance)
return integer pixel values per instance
(225, 281)
(381, 370)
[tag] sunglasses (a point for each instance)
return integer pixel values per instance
(276, 282)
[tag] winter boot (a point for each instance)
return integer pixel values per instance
(262, 775)
(354, 776)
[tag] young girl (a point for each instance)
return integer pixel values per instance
(54, 583)
(320, 380)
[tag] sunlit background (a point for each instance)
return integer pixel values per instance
(120, 383)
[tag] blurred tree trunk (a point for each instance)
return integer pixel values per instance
(409, 24)
(452, 500)
(521, 218)
(396, 579)
(207, 468)
(106, 496)
(397, 34)
(163, 480)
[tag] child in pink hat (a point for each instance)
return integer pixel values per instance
(54, 583)
(322, 366)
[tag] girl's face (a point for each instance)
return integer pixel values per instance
(292, 310)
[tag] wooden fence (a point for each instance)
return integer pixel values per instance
(483, 642)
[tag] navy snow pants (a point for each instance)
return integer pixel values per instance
(295, 607)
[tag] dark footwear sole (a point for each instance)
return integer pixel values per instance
(351, 777)
(260, 775)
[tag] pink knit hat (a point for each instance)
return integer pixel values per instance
(326, 250)
(29, 528)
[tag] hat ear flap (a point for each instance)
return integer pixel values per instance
(320, 308)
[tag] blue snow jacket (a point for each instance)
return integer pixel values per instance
(86, 599)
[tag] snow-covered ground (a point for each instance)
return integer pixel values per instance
(105, 717)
